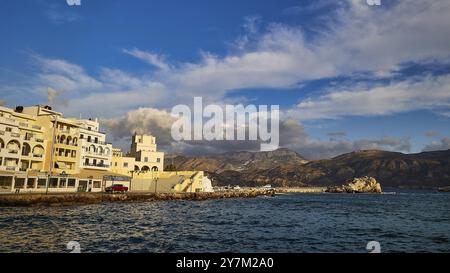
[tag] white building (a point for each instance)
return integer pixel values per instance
(95, 154)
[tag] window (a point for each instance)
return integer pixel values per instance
(19, 183)
(115, 164)
(81, 136)
(41, 183)
(62, 182)
(145, 159)
(5, 183)
(89, 128)
(71, 183)
(158, 160)
(97, 184)
(125, 164)
(53, 182)
(8, 129)
(30, 183)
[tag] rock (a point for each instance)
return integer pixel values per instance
(444, 189)
(357, 185)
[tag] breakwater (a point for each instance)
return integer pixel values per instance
(300, 190)
(67, 199)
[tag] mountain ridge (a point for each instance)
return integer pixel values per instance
(287, 168)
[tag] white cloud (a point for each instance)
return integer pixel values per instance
(150, 58)
(64, 76)
(358, 39)
(294, 136)
(443, 144)
(427, 92)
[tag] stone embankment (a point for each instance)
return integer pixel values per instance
(301, 190)
(67, 199)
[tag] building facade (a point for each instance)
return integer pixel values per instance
(95, 152)
(143, 157)
(62, 136)
(43, 151)
(22, 142)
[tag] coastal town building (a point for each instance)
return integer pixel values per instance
(95, 152)
(43, 151)
(143, 156)
(22, 143)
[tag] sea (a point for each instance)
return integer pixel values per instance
(395, 221)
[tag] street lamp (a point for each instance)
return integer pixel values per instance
(156, 184)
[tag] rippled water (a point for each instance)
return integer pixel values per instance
(410, 221)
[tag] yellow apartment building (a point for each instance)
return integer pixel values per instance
(42, 151)
(62, 136)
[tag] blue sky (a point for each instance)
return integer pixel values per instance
(346, 75)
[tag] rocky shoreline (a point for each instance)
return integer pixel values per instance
(68, 199)
(364, 184)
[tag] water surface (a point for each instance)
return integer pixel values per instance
(408, 221)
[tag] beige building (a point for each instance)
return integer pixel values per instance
(145, 165)
(143, 157)
(62, 136)
(181, 181)
(22, 143)
(42, 151)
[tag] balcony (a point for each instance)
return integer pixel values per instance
(90, 153)
(11, 134)
(7, 120)
(67, 144)
(23, 124)
(97, 142)
(33, 138)
(96, 165)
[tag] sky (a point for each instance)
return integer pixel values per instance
(347, 75)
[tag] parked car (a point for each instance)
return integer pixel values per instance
(116, 188)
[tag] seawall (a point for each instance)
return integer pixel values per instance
(301, 190)
(67, 199)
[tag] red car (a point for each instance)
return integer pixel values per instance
(116, 188)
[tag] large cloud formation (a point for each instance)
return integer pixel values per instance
(355, 39)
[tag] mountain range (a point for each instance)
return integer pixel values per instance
(287, 168)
